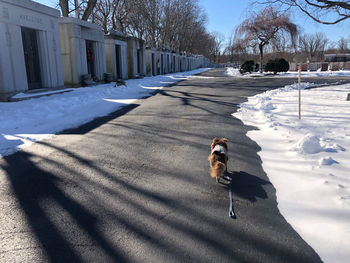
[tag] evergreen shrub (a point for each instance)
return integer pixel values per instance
(277, 65)
(247, 66)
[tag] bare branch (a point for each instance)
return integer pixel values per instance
(318, 10)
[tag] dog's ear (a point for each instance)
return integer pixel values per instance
(224, 142)
(214, 141)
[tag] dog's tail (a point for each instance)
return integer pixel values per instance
(217, 170)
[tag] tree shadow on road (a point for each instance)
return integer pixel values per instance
(248, 186)
(43, 195)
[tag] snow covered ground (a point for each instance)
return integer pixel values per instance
(25, 122)
(235, 73)
(307, 160)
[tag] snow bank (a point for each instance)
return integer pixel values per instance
(310, 74)
(307, 160)
(235, 73)
(25, 122)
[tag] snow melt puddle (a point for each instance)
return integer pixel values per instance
(307, 160)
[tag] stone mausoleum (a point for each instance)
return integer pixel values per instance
(136, 57)
(30, 53)
(116, 55)
(83, 50)
(151, 67)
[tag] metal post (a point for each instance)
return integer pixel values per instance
(299, 91)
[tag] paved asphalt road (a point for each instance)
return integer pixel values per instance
(134, 186)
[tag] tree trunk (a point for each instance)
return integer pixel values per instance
(90, 7)
(64, 7)
(77, 11)
(261, 49)
(105, 22)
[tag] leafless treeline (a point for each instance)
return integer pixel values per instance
(177, 24)
(272, 33)
(309, 47)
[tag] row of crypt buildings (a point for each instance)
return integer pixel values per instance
(39, 49)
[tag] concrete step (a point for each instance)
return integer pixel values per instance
(37, 93)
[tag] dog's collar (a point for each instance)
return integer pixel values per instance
(220, 149)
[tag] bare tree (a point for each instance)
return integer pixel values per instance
(111, 15)
(312, 46)
(218, 41)
(322, 11)
(88, 9)
(190, 24)
(343, 45)
(236, 50)
(260, 29)
(82, 8)
(102, 14)
(119, 15)
(176, 24)
(230, 47)
(64, 5)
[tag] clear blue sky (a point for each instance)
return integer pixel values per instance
(225, 15)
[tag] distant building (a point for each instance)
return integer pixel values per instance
(337, 57)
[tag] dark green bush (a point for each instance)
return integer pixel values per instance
(277, 65)
(247, 66)
(257, 67)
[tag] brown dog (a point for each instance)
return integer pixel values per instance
(218, 158)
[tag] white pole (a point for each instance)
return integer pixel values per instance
(299, 91)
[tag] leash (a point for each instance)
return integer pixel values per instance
(231, 212)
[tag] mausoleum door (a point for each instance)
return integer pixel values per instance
(158, 67)
(152, 65)
(138, 61)
(31, 57)
(118, 61)
(90, 57)
(168, 63)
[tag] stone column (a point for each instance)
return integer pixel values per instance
(12, 64)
